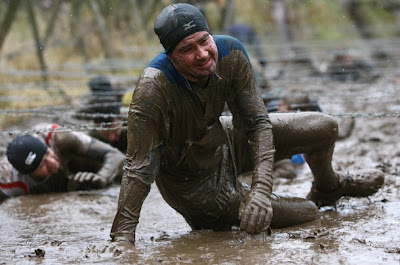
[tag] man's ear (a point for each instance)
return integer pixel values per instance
(171, 58)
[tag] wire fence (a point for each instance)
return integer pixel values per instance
(75, 75)
(106, 126)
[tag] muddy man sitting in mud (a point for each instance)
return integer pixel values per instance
(177, 138)
(57, 162)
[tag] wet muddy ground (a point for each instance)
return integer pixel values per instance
(73, 228)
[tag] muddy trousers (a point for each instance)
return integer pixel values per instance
(310, 133)
(290, 211)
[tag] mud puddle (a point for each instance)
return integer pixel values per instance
(73, 228)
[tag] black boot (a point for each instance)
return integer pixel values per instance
(361, 183)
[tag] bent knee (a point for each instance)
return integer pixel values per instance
(325, 124)
(329, 121)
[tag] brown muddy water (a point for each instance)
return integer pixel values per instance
(73, 228)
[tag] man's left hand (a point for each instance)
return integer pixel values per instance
(255, 212)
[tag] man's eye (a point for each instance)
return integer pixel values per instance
(188, 49)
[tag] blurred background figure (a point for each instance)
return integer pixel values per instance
(294, 103)
(110, 128)
(103, 93)
(103, 90)
(248, 36)
(103, 107)
(57, 162)
(345, 67)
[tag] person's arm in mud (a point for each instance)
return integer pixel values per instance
(142, 159)
(251, 117)
(11, 183)
(3, 196)
(79, 144)
(4, 172)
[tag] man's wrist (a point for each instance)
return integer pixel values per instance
(124, 238)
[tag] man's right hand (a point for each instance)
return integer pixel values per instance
(124, 238)
(132, 194)
(89, 179)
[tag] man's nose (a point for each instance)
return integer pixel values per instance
(201, 52)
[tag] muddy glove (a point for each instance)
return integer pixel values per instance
(132, 194)
(89, 179)
(111, 167)
(255, 212)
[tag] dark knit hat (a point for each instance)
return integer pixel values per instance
(100, 84)
(111, 110)
(25, 153)
(176, 22)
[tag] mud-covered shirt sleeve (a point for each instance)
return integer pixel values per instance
(143, 155)
(146, 128)
(251, 118)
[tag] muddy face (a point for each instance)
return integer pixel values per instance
(50, 165)
(195, 57)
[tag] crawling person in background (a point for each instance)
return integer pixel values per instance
(347, 68)
(110, 129)
(57, 162)
(178, 138)
(103, 92)
(248, 36)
